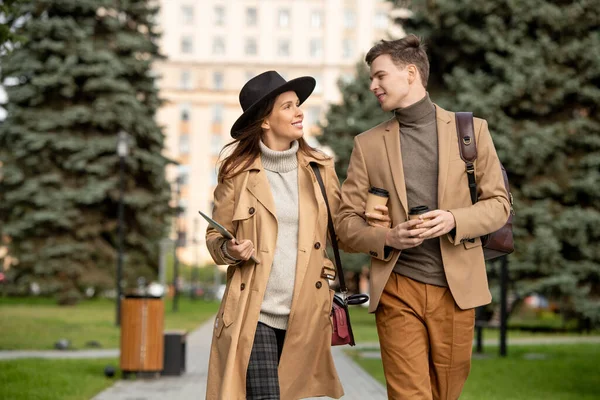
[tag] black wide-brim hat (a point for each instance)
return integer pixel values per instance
(264, 87)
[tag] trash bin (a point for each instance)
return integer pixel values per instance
(175, 346)
(142, 324)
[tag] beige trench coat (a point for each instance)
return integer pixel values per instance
(245, 206)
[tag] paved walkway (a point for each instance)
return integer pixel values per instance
(16, 354)
(112, 353)
(357, 384)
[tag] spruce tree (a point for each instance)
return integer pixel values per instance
(82, 75)
(532, 70)
(358, 112)
(7, 23)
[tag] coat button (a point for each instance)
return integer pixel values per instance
(251, 210)
(242, 286)
(318, 285)
(317, 245)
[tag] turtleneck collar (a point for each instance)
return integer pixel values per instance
(419, 113)
(279, 161)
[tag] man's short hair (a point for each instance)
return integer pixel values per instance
(408, 50)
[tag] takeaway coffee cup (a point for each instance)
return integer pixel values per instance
(376, 197)
(415, 212)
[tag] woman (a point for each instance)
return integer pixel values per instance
(272, 334)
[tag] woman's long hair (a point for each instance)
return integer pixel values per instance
(246, 146)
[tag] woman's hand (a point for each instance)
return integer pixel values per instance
(375, 219)
(241, 250)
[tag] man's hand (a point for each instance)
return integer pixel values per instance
(240, 251)
(435, 223)
(405, 235)
(376, 219)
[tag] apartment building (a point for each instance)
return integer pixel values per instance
(214, 46)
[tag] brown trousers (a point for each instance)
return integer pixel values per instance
(426, 340)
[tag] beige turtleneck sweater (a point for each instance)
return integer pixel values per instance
(419, 145)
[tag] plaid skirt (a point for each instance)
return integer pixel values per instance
(262, 381)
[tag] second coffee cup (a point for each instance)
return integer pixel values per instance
(376, 197)
(415, 212)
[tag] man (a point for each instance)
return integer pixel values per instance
(428, 274)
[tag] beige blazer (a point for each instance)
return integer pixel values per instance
(376, 161)
(245, 206)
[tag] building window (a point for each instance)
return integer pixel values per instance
(348, 48)
(213, 177)
(215, 145)
(284, 18)
(185, 80)
(156, 77)
(250, 46)
(316, 19)
(381, 20)
(218, 81)
(219, 15)
(181, 233)
(187, 46)
(347, 78)
(314, 113)
(184, 173)
(184, 144)
(187, 13)
(184, 112)
(318, 87)
(183, 205)
(283, 47)
(316, 48)
(251, 16)
(217, 113)
(349, 19)
(218, 45)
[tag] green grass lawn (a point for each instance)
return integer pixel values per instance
(559, 372)
(566, 372)
(35, 323)
(35, 379)
(363, 327)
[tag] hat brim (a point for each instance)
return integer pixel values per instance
(303, 86)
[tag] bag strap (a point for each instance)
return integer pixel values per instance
(468, 148)
(332, 235)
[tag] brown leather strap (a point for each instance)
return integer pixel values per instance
(466, 136)
(332, 235)
(468, 148)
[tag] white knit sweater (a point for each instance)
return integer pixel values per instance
(281, 168)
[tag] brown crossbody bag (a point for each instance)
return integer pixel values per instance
(340, 318)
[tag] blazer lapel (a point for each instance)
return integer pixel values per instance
(392, 145)
(446, 138)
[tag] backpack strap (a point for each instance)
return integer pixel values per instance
(468, 148)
